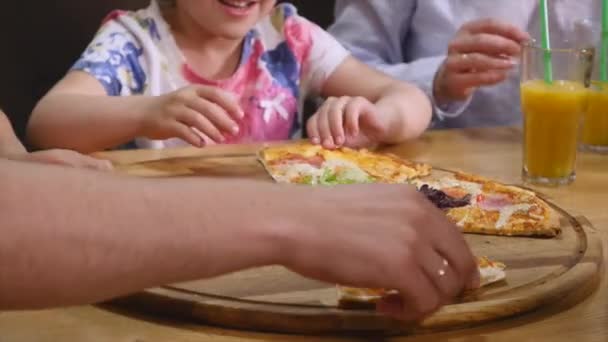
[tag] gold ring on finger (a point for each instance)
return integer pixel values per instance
(443, 271)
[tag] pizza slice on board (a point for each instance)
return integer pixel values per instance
(477, 205)
(305, 163)
(494, 208)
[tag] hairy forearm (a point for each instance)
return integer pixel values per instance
(9, 143)
(72, 237)
(85, 123)
(407, 111)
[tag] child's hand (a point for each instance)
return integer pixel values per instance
(210, 111)
(64, 158)
(342, 120)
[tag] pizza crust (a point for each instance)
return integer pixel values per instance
(490, 271)
(263, 158)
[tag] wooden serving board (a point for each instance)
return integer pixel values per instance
(539, 272)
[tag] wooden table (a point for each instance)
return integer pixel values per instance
(494, 153)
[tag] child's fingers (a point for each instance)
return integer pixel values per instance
(225, 100)
(361, 114)
(371, 123)
(352, 112)
(186, 132)
(323, 124)
(206, 141)
(193, 118)
(216, 114)
(313, 130)
(336, 120)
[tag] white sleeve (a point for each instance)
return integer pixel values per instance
(326, 55)
(319, 52)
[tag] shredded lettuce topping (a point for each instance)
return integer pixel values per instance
(342, 177)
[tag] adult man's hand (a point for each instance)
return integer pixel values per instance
(64, 158)
(481, 54)
(382, 236)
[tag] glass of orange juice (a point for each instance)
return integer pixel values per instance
(594, 132)
(553, 112)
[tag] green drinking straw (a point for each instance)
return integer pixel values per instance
(604, 47)
(546, 41)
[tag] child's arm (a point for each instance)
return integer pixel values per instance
(9, 143)
(77, 114)
(367, 106)
(99, 104)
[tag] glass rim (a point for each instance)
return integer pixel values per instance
(533, 44)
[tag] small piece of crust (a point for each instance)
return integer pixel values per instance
(491, 271)
(357, 298)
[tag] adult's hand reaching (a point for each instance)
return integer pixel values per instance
(383, 236)
(481, 54)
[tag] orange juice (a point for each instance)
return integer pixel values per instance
(552, 114)
(595, 120)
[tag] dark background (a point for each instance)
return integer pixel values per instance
(41, 39)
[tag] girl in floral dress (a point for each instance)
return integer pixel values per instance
(205, 72)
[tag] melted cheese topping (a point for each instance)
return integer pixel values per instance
(381, 166)
(287, 172)
(507, 212)
(462, 222)
(490, 275)
(349, 170)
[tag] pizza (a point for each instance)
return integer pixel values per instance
(488, 207)
(491, 272)
(475, 204)
(313, 165)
